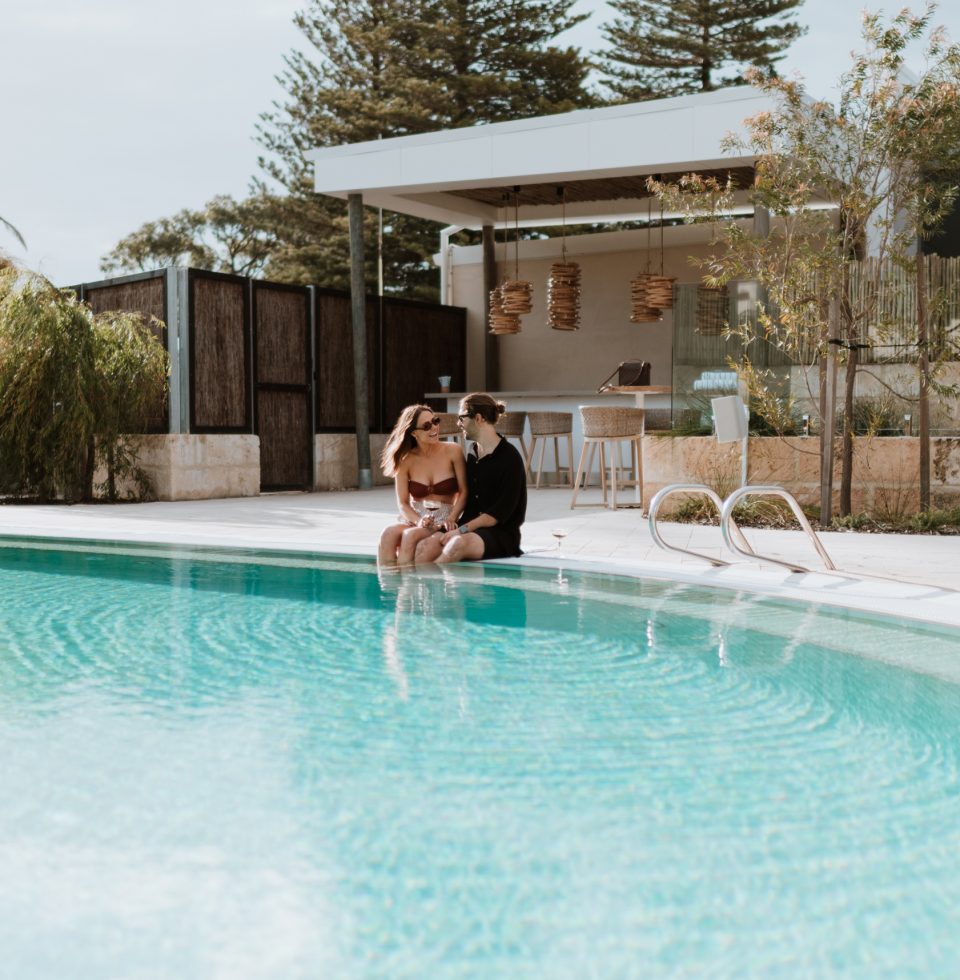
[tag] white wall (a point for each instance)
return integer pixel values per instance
(542, 359)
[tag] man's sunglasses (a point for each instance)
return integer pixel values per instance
(432, 424)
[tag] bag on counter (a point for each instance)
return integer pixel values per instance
(629, 374)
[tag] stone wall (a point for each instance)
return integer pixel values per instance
(195, 467)
(335, 461)
(885, 475)
(198, 467)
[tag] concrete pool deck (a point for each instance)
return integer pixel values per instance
(916, 576)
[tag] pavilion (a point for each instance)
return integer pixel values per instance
(587, 167)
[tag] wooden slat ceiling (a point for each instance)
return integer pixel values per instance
(598, 189)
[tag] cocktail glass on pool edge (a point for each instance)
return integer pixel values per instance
(559, 533)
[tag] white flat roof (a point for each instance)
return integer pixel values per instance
(426, 175)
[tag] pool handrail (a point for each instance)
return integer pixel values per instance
(712, 495)
(726, 518)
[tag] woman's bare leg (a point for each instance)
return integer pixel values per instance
(412, 536)
(390, 544)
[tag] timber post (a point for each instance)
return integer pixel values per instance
(359, 316)
(491, 346)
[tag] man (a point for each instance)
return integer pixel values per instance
(496, 492)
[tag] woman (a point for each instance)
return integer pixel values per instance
(426, 471)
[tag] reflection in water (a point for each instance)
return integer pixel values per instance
(722, 649)
(429, 602)
(417, 598)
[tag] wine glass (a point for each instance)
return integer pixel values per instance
(559, 533)
(431, 507)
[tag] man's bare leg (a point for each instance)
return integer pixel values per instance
(462, 547)
(429, 550)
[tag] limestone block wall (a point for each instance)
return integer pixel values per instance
(885, 475)
(335, 461)
(886, 469)
(199, 467)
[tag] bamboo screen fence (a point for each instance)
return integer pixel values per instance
(420, 343)
(885, 293)
(282, 383)
(146, 296)
(409, 344)
(277, 360)
(219, 353)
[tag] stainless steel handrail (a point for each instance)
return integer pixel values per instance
(726, 518)
(661, 495)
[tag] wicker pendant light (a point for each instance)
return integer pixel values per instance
(517, 297)
(501, 321)
(563, 283)
(711, 310)
(651, 294)
(660, 290)
(517, 293)
(563, 296)
(642, 308)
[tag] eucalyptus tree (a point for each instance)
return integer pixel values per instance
(658, 48)
(224, 235)
(886, 156)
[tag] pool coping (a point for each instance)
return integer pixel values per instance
(873, 594)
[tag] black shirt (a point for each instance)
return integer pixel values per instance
(497, 485)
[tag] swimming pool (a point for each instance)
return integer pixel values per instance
(271, 766)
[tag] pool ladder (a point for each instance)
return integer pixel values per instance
(732, 535)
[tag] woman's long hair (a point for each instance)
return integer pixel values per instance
(401, 441)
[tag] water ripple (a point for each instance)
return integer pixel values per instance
(486, 772)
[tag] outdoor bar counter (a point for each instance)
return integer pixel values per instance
(651, 397)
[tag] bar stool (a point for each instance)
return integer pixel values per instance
(610, 427)
(449, 427)
(511, 425)
(544, 425)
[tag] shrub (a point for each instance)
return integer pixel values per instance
(71, 382)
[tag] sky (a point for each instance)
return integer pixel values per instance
(118, 112)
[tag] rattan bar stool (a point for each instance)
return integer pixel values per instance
(610, 427)
(546, 425)
(449, 428)
(511, 425)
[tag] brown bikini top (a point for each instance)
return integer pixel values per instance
(442, 489)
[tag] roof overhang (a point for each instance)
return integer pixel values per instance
(599, 157)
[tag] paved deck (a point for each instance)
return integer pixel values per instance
(916, 576)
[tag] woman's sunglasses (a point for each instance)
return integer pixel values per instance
(432, 424)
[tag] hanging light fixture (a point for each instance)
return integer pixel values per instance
(711, 310)
(642, 309)
(563, 283)
(660, 288)
(501, 322)
(517, 293)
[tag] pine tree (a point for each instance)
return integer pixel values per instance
(372, 69)
(660, 48)
(490, 60)
(383, 68)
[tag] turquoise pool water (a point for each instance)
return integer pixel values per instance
(217, 768)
